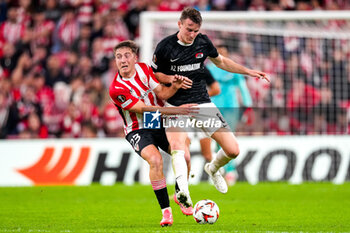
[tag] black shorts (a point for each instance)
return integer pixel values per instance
(141, 138)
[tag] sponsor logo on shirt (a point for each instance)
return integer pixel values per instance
(199, 55)
(184, 68)
(121, 98)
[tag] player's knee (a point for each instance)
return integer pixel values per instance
(234, 151)
(207, 156)
(177, 145)
(155, 162)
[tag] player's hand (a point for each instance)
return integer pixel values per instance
(258, 74)
(188, 109)
(182, 82)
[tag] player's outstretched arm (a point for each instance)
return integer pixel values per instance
(185, 109)
(233, 67)
(169, 79)
(164, 92)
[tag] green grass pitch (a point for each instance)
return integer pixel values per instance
(265, 207)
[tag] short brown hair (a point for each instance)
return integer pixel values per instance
(127, 43)
(192, 14)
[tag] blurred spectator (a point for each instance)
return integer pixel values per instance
(339, 81)
(170, 5)
(54, 72)
(303, 5)
(24, 9)
(3, 9)
(325, 112)
(35, 127)
(112, 121)
(100, 59)
(8, 116)
(132, 18)
(42, 29)
(88, 110)
(221, 5)
(88, 130)
(109, 39)
(52, 10)
(27, 105)
(9, 59)
(116, 19)
(71, 68)
(83, 44)
(71, 124)
(12, 30)
(67, 30)
(85, 10)
(85, 69)
(301, 100)
(257, 5)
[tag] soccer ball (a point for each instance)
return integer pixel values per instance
(206, 211)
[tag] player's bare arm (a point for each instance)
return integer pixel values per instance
(214, 89)
(185, 109)
(229, 65)
(166, 79)
(164, 92)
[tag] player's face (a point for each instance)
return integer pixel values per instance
(188, 30)
(125, 60)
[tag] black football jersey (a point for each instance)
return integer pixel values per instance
(173, 57)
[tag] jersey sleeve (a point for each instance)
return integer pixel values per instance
(212, 52)
(122, 98)
(152, 82)
(159, 60)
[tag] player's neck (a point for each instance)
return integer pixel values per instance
(183, 43)
(128, 75)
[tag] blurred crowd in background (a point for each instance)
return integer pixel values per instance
(56, 64)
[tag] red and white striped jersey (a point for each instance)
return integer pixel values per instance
(68, 31)
(126, 92)
(12, 32)
(86, 11)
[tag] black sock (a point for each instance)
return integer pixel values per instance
(163, 197)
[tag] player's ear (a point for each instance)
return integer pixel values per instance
(179, 23)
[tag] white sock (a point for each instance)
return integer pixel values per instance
(166, 209)
(219, 161)
(180, 169)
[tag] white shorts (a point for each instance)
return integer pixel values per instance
(207, 121)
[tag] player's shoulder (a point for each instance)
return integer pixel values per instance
(165, 42)
(116, 86)
(142, 65)
(203, 38)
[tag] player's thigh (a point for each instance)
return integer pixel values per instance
(152, 155)
(227, 140)
(144, 142)
(177, 138)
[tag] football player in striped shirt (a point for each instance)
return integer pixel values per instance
(135, 90)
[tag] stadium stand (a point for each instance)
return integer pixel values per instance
(56, 63)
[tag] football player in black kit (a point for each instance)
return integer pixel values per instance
(184, 53)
